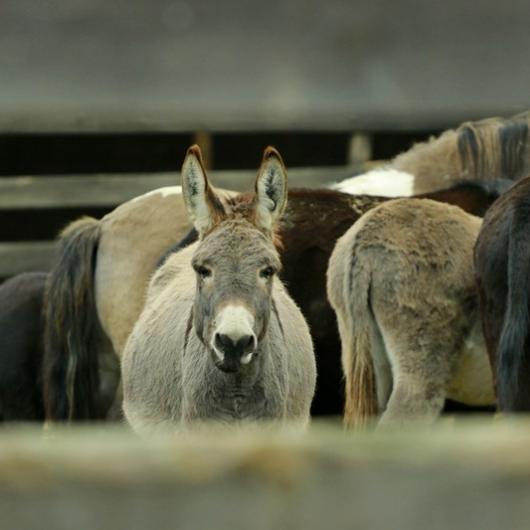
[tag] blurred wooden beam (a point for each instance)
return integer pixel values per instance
(110, 190)
(472, 477)
(26, 256)
(97, 66)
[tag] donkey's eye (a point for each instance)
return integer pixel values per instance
(203, 272)
(267, 272)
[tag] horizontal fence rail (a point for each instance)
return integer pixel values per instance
(465, 477)
(95, 66)
(111, 190)
(37, 198)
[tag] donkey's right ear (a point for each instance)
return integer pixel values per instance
(203, 205)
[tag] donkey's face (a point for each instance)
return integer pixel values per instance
(235, 262)
(235, 265)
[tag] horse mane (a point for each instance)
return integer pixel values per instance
(481, 150)
(494, 147)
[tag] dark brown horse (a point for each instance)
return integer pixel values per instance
(21, 351)
(502, 264)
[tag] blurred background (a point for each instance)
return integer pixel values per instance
(100, 98)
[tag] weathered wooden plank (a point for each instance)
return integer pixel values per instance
(94, 65)
(110, 190)
(78, 191)
(471, 477)
(25, 256)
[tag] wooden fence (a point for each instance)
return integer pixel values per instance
(34, 197)
(473, 476)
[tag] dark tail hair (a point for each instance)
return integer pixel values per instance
(513, 359)
(70, 367)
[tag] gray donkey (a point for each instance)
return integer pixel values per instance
(219, 338)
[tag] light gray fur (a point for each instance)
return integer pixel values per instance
(170, 376)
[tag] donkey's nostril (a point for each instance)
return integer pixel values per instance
(236, 348)
(247, 342)
(223, 341)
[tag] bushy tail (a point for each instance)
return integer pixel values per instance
(70, 367)
(350, 297)
(513, 359)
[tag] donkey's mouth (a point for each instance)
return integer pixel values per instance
(231, 364)
(228, 367)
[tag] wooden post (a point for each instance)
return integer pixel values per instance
(359, 149)
(205, 142)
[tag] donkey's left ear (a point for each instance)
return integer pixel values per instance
(202, 203)
(271, 189)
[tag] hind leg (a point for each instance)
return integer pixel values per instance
(413, 399)
(421, 372)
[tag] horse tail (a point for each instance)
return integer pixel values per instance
(70, 367)
(513, 359)
(349, 288)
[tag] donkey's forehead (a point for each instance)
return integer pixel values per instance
(236, 239)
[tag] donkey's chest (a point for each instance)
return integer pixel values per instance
(239, 402)
(232, 401)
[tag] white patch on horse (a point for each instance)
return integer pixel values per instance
(165, 192)
(385, 182)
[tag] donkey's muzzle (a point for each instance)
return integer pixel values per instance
(236, 351)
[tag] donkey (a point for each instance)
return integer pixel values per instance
(219, 338)
(483, 151)
(502, 265)
(21, 329)
(401, 283)
(96, 289)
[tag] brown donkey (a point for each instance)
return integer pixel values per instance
(402, 285)
(502, 265)
(219, 338)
